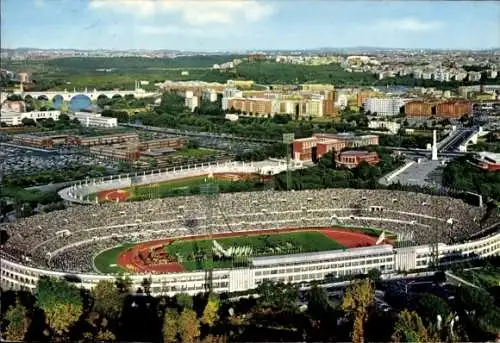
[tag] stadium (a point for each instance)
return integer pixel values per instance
(233, 241)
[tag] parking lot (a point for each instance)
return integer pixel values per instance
(19, 161)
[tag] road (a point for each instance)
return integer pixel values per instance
(458, 138)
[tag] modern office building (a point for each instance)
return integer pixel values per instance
(94, 119)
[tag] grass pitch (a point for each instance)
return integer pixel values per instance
(192, 254)
(181, 187)
(107, 261)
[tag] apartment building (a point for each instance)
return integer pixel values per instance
(191, 101)
(228, 93)
(258, 106)
(419, 108)
(453, 109)
(445, 109)
(391, 126)
(384, 106)
(209, 95)
(297, 104)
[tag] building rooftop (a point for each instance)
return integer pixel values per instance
(318, 256)
(354, 152)
(488, 156)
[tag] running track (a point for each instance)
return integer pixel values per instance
(130, 261)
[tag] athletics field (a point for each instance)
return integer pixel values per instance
(177, 187)
(193, 252)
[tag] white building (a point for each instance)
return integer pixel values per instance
(491, 74)
(16, 118)
(474, 76)
(230, 93)
(384, 106)
(209, 95)
(341, 101)
(94, 119)
(191, 101)
(392, 126)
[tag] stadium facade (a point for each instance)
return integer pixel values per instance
(395, 211)
(298, 268)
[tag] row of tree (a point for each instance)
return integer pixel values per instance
(60, 311)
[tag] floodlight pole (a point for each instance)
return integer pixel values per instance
(209, 191)
(287, 140)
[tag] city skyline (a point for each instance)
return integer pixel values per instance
(248, 25)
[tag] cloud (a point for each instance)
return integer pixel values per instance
(408, 24)
(39, 3)
(192, 12)
(142, 8)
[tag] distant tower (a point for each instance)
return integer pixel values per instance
(434, 146)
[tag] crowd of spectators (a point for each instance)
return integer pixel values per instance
(67, 240)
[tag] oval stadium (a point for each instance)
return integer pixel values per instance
(234, 241)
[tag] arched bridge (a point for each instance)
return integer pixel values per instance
(92, 95)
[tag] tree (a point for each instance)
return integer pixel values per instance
(278, 295)
(374, 274)
(184, 301)
(188, 326)
(210, 312)
(105, 336)
(108, 301)
(64, 117)
(429, 306)
(18, 322)
(28, 122)
(356, 301)
(60, 301)
(409, 328)
(123, 284)
(318, 304)
(170, 327)
(480, 306)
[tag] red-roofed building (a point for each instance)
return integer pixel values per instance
(352, 158)
(487, 161)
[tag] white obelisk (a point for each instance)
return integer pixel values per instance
(434, 146)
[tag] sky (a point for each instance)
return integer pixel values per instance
(233, 25)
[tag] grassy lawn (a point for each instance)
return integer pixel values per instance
(484, 277)
(190, 253)
(170, 188)
(199, 152)
(370, 231)
(106, 261)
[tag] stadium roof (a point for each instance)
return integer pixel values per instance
(317, 256)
